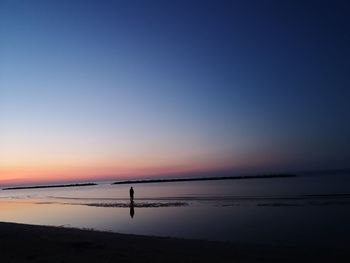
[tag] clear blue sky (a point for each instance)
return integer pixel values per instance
(137, 87)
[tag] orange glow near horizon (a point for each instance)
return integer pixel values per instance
(52, 159)
(40, 165)
(47, 156)
(32, 171)
(29, 175)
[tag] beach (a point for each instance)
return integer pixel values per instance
(255, 220)
(259, 211)
(32, 243)
(174, 131)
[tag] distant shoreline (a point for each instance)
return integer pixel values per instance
(145, 181)
(205, 179)
(48, 186)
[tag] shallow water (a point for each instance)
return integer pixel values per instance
(300, 210)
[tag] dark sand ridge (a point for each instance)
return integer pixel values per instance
(28, 243)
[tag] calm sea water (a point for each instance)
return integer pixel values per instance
(291, 211)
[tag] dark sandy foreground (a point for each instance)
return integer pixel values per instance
(27, 243)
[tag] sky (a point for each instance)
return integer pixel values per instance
(128, 89)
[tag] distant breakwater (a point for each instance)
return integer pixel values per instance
(205, 179)
(144, 181)
(48, 186)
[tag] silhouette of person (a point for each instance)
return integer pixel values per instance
(132, 211)
(131, 192)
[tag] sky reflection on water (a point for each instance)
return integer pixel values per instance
(246, 211)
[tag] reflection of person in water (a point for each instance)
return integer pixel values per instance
(131, 192)
(132, 211)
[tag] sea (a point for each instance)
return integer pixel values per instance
(303, 210)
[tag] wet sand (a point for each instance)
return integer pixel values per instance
(29, 243)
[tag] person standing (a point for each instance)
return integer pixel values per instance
(131, 192)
